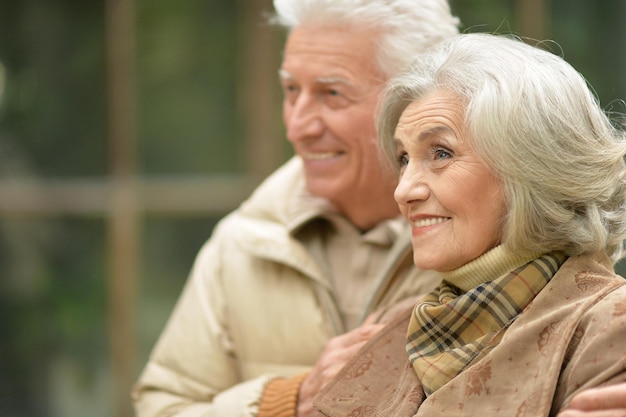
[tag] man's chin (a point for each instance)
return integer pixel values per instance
(325, 188)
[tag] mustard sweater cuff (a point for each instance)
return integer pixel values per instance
(280, 398)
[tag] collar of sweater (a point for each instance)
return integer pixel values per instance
(487, 267)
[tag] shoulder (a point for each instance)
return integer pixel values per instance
(588, 275)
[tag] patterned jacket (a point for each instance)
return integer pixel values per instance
(570, 338)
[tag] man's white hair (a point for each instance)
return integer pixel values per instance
(403, 28)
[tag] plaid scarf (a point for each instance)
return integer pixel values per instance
(449, 329)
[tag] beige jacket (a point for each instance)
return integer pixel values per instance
(572, 337)
(256, 306)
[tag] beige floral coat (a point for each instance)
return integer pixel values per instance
(572, 337)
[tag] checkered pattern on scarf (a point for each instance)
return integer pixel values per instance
(450, 329)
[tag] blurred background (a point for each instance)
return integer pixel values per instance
(127, 129)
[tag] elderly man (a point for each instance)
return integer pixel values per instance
(278, 297)
(319, 245)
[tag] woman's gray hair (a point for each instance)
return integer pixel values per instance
(404, 28)
(535, 122)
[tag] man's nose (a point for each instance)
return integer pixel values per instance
(303, 118)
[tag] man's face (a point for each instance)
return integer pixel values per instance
(331, 85)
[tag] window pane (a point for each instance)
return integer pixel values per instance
(52, 120)
(187, 70)
(53, 331)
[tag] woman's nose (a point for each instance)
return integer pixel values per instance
(412, 186)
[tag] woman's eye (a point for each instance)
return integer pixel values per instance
(403, 159)
(440, 153)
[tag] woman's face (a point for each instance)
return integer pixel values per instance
(453, 202)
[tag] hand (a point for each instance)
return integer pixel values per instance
(607, 401)
(336, 353)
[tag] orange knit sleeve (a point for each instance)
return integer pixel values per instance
(280, 398)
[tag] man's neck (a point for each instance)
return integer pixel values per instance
(367, 213)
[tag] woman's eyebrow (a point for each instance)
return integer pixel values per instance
(433, 131)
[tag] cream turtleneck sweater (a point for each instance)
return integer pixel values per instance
(487, 267)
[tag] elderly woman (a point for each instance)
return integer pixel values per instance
(513, 180)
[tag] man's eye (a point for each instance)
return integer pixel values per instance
(291, 93)
(334, 98)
